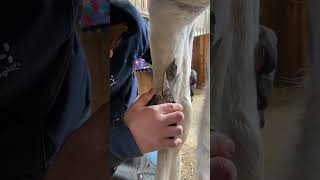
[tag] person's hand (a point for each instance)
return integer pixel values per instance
(155, 127)
(221, 150)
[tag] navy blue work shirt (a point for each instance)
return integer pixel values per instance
(124, 85)
(44, 84)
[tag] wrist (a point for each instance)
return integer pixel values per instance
(128, 122)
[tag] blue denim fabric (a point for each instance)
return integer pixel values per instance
(153, 157)
(139, 168)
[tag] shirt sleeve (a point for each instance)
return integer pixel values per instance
(123, 146)
(95, 15)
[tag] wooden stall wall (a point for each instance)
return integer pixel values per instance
(200, 58)
(145, 81)
(95, 47)
(85, 153)
(288, 19)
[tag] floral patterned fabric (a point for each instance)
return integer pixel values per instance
(95, 15)
(142, 65)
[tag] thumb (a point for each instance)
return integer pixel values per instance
(144, 99)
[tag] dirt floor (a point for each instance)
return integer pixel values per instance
(189, 161)
(282, 131)
(280, 134)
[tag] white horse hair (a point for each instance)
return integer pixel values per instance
(233, 94)
(171, 41)
(307, 158)
(203, 147)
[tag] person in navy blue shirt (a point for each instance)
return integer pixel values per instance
(45, 86)
(44, 82)
(139, 128)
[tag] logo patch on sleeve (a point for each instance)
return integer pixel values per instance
(8, 62)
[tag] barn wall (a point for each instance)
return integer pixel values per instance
(95, 47)
(288, 19)
(89, 144)
(145, 81)
(200, 58)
